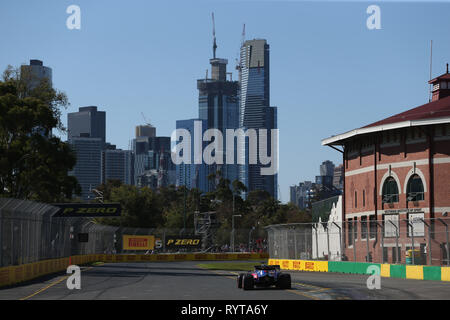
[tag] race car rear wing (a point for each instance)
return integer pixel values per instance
(267, 267)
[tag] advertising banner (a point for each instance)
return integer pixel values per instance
(87, 210)
(189, 242)
(133, 242)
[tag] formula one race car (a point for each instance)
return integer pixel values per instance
(264, 276)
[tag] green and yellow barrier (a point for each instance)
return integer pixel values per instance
(386, 270)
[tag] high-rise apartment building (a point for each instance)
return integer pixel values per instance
(255, 110)
(219, 106)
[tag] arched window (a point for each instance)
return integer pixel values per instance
(390, 191)
(414, 189)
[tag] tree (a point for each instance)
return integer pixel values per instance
(141, 207)
(106, 188)
(34, 164)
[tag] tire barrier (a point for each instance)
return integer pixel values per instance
(15, 274)
(387, 270)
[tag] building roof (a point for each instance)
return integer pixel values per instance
(436, 109)
(431, 113)
(445, 76)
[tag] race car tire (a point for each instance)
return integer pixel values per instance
(248, 282)
(240, 277)
(284, 282)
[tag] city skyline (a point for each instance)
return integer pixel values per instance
(357, 54)
(151, 150)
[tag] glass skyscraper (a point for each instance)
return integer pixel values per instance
(226, 104)
(148, 151)
(118, 165)
(88, 169)
(35, 72)
(255, 111)
(191, 174)
(87, 135)
(219, 106)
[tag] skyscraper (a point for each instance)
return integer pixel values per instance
(87, 136)
(33, 75)
(35, 72)
(218, 103)
(300, 194)
(145, 131)
(326, 174)
(255, 110)
(218, 108)
(88, 168)
(117, 165)
(151, 152)
(327, 168)
(191, 174)
(87, 122)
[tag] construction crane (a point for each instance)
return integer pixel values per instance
(238, 63)
(214, 36)
(145, 120)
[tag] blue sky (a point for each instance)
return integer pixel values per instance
(329, 73)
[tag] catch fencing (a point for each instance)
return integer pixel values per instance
(29, 233)
(392, 240)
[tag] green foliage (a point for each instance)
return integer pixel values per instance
(166, 207)
(107, 188)
(141, 206)
(34, 164)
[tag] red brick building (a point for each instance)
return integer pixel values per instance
(398, 169)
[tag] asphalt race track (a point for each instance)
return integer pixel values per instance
(186, 281)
